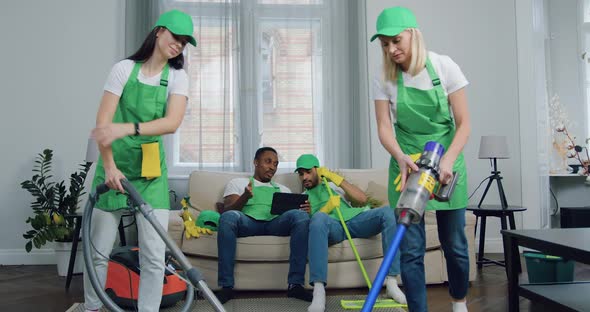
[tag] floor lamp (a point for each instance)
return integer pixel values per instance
(494, 148)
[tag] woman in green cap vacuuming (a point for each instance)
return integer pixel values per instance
(425, 94)
(144, 97)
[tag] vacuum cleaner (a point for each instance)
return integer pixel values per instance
(410, 207)
(194, 277)
(123, 274)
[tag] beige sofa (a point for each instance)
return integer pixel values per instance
(262, 262)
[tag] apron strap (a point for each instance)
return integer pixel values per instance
(164, 76)
(135, 71)
(440, 93)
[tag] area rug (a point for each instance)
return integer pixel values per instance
(261, 305)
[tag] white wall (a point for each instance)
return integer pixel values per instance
(480, 36)
(56, 55)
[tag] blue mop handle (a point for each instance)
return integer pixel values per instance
(387, 260)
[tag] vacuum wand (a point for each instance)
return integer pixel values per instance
(420, 188)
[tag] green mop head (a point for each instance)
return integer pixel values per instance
(379, 304)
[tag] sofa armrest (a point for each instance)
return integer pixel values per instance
(175, 227)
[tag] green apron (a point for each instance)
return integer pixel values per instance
(138, 103)
(422, 116)
(318, 197)
(258, 207)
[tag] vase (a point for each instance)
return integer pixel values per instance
(62, 258)
(558, 162)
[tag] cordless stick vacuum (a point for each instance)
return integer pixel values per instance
(193, 275)
(410, 207)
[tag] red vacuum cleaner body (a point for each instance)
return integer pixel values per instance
(123, 275)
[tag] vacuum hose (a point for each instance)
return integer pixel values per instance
(193, 274)
(410, 207)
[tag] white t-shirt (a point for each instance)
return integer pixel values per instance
(236, 186)
(177, 79)
(451, 80)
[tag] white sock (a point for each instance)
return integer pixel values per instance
(460, 306)
(318, 304)
(393, 290)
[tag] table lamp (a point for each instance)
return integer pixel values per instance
(494, 147)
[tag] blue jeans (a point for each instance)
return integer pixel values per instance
(451, 233)
(325, 231)
(234, 224)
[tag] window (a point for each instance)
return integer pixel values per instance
(255, 80)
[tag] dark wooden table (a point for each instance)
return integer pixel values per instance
(506, 216)
(571, 244)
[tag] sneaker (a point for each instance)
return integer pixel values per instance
(225, 294)
(298, 292)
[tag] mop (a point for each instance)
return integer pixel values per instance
(357, 304)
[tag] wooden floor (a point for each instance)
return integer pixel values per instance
(38, 288)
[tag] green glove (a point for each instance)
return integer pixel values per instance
(335, 178)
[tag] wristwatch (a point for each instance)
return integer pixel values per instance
(136, 128)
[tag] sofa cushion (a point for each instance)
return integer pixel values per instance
(276, 248)
(205, 188)
(372, 181)
(253, 248)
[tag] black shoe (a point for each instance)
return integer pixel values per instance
(225, 294)
(298, 292)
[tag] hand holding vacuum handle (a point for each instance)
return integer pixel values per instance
(101, 189)
(132, 192)
(446, 190)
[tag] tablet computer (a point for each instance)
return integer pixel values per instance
(283, 202)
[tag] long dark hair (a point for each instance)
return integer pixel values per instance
(147, 49)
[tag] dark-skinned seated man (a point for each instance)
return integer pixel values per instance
(325, 228)
(246, 212)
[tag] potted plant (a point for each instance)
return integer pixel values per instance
(52, 201)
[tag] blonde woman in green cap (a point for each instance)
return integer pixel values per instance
(425, 94)
(144, 97)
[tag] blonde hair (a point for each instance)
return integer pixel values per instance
(418, 58)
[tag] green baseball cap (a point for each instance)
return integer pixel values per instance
(178, 23)
(393, 21)
(307, 161)
(208, 219)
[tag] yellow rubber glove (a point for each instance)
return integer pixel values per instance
(335, 178)
(332, 203)
(398, 179)
(191, 230)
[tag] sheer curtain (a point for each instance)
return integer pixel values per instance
(280, 73)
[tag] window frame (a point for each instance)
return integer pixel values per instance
(248, 109)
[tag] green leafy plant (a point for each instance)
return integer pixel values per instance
(52, 201)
